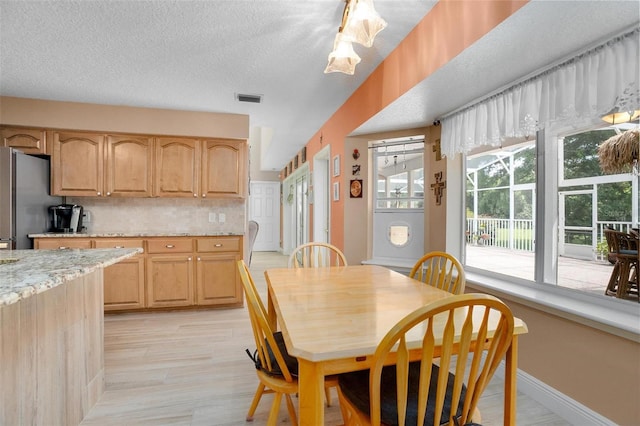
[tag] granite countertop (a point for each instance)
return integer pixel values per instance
(36, 271)
(131, 234)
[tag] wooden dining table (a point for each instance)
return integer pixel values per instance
(332, 320)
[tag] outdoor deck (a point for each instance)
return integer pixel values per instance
(589, 276)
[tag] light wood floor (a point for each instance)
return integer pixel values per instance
(190, 368)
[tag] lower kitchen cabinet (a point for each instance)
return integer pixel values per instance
(217, 279)
(124, 285)
(172, 272)
(169, 280)
(123, 281)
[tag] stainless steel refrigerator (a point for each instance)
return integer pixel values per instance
(24, 198)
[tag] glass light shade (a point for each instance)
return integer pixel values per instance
(363, 22)
(615, 117)
(343, 58)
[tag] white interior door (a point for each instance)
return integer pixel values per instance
(264, 208)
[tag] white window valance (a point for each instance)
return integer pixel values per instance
(595, 83)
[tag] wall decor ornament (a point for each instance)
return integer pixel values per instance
(303, 154)
(336, 165)
(355, 188)
(336, 191)
(355, 170)
(356, 154)
(438, 188)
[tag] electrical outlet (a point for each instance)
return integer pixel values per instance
(222, 217)
(212, 217)
(86, 217)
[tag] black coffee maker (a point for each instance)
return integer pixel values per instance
(65, 218)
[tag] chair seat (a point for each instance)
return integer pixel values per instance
(292, 362)
(355, 386)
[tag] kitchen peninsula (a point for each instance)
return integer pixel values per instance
(52, 333)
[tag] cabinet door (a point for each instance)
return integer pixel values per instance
(29, 141)
(223, 168)
(124, 285)
(169, 280)
(77, 164)
(61, 243)
(177, 167)
(129, 166)
(217, 279)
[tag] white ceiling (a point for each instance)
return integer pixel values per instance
(197, 55)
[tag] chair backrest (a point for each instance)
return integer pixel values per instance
(621, 242)
(441, 270)
(314, 255)
(479, 353)
(269, 354)
(254, 227)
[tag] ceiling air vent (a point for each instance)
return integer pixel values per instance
(256, 99)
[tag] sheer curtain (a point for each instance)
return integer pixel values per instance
(592, 84)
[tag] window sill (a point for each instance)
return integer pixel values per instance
(618, 317)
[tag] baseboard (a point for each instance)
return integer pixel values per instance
(570, 410)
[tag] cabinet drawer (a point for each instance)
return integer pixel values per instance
(63, 243)
(170, 245)
(118, 243)
(210, 245)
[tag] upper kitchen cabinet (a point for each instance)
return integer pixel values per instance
(29, 141)
(77, 164)
(223, 168)
(177, 167)
(129, 166)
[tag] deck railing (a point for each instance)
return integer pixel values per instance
(519, 234)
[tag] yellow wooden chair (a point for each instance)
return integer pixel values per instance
(276, 369)
(313, 255)
(400, 391)
(440, 270)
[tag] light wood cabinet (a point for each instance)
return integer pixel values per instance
(177, 167)
(129, 166)
(77, 164)
(124, 282)
(217, 280)
(172, 272)
(29, 141)
(62, 243)
(223, 168)
(170, 276)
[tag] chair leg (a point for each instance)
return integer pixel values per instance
(275, 408)
(327, 395)
(612, 286)
(292, 410)
(255, 402)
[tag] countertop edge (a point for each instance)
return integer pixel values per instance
(56, 277)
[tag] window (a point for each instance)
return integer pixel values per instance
(579, 202)
(400, 175)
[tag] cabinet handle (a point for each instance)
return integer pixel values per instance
(99, 193)
(204, 195)
(218, 245)
(118, 246)
(199, 259)
(189, 259)
(195, 195)
(62, 248)
(108, 194)
(169, 246)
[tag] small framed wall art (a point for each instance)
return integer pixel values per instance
(336, 166)
(336, 191)
(355, 188)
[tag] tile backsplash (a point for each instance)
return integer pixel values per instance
(162, 215)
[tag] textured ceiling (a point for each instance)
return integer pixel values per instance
(197, 55)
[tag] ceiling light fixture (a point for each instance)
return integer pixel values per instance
(618, 117)
(360, 24)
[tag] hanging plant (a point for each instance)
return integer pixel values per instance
(619, 153)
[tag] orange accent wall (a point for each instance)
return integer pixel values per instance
(450, 27)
